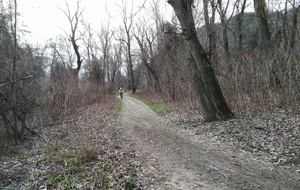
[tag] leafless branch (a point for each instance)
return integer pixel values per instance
(16, 80)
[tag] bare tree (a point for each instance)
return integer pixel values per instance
(209, 25)
(89, 42)
(13, 84)
(145, 37)
(17, 89)
(127, 19)
(223, 11)
(211, 97)
(224, 22)
(74, 21)
(94, 62)
(128, 24)
(262, 15)
(116, 63)
(295, 11)
(105, 37)
(241, 5)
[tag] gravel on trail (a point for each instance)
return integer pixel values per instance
(190, 161)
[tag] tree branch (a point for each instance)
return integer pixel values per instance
(16, 80)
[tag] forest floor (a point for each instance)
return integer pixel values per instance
(136, 149)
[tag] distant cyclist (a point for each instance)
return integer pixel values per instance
(121, 91)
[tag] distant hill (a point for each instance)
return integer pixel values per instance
(250, 30)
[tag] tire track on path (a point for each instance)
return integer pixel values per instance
(195, 165)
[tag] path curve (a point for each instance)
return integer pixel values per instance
(190, 164)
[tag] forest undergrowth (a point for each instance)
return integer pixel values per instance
(83, 151)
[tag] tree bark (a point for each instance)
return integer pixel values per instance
(240, 20)
(6, 124)
(224, 24)
(262, 15)
(130, 65)
(213, 103)
(209, 24)
(285, 27)
(295, 24)
(17, 137)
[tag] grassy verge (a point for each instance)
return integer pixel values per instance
(159, 108)
(119, 105)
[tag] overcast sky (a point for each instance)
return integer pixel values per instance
(44, 19)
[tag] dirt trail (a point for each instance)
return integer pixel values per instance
(195, 164)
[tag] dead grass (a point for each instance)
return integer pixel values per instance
(79, 152)
(150, 96)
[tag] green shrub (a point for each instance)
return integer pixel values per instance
(107, 166)
(117, 145)
(128, 184)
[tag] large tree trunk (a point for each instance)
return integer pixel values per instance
(240, 20)
(130, 69)
(295, 24)
(16, 131)
(262, 15)
(213, 103)
(210, 26)
(224, 24)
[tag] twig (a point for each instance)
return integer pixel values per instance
(23, 78)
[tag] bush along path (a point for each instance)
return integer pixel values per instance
(83, 152)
